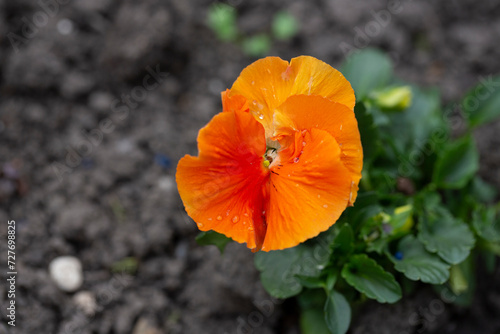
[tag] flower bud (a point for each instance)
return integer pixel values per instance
(396, 98)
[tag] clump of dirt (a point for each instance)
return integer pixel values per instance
(100, 99)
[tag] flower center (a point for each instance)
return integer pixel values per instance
(271, 154)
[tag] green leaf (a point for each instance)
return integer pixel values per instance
(493, 247)
(337, 313)
(312, 321)
(368, 132)
(213, 238)
(126, 265)
(368, 277)
(311, 282)
(445, 235)
(222, 20)
(482, 103)
(423, 124)
(418, 264)
(343, 243)
(284, 26)
(402, 221)
(457, 164)
(312, 298)
(482, 191)
(279, 269)
(367, 70)
(257, 46)
(486, 224)
(331, 279)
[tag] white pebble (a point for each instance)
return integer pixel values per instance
(65, 26)
(85, 300)
(66, 272)
(166, 183)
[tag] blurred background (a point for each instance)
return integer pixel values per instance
(99, 99)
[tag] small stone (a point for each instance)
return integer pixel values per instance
(66, 272)
(166, 183)
(65, 26)
(85, 301)
(144, 326)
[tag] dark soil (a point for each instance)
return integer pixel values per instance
(114, 195)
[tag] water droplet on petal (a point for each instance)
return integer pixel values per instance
(200, 225)
(235, 219)
(227, 212)
(264, 212)
(325, 206)
(253, 83)
(296, 184)
(296, 159)
(209, 219)
(261, 116)
(319, 196)
(250, 228)
(245, 214)
(303, 143)
(219, 217)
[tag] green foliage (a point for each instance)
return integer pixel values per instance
(457, 164)
(445, 235)
(222, 20)
(367, 71)
(368, 132)
(312, 321)
(126, 265)
(283, 271)
(256, 45)
(213, 238)
(482, 103)
(486, 223)
(422, 212)
(368, 277)
(284, 26)
(419, 265)
(337, 313)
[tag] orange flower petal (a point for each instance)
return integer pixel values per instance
(233, 103)
(222, 189)
(302, 112)
(309, 190)
(268, 82)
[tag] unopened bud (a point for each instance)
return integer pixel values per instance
(395, 98)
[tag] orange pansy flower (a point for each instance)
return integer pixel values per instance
(282, 161)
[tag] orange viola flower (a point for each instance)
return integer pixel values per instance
(283, 159)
